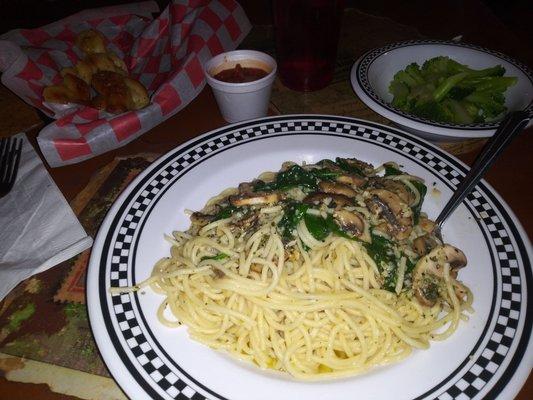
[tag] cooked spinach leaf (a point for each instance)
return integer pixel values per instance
(380, 249)
(410, 265)
(325, 174)
(293, 213)
(226, 212)
(422, 189)
(317, 226)
(218, 257)
(348, 167)
(296, 176)
(390, 279)
(336, 229)
(390, 170)
(382, 252)
(285, 180)
(320, 228)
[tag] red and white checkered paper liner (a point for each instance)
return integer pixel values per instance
(166, 54)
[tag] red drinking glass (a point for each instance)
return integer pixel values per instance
(307, 33)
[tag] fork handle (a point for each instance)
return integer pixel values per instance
(509, 128)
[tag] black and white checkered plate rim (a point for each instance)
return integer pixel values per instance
(486, 371)
(369, 57)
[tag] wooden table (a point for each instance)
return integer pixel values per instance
(510, 176)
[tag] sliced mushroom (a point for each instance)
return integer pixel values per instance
(248, 221)
(202, 219)
(395, 187)
(256, 268)
(460, 290)
(429, 272)
(351, 179)
(352, 223)
(199, 220)
(422, 245)
(382, 227)
(292, 255)
(286, 165)
(330, 165)
(337, 188)
(401, 190)
(426, 224)
(390, 207)
(336, 200)
(427, 290)
(218, 273)
(246, 187)
(251, 199)
(455, 257)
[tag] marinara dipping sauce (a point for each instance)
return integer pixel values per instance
(241, 81)
(240, 74)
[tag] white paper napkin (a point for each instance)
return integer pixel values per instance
(38, 229)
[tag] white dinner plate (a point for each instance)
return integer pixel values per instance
(489, 356)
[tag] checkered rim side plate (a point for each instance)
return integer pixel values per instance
(368, 58)
(166, 376)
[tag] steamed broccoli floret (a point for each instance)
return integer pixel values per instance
(495, 84)
(498, 70)
(461, 114)
(444, 90)
(400, 91)
(433, 111)
(406, 79)
(490, 104)
(414, 72)
(459, 93)
(446, 85)
(442, 66)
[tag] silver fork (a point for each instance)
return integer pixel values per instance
(10, 151)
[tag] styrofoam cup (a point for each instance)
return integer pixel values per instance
(241, 101)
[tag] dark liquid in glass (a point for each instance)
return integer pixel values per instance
(307, 32)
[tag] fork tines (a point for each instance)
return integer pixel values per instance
(10, 151)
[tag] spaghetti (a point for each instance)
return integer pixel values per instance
(321, 271)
